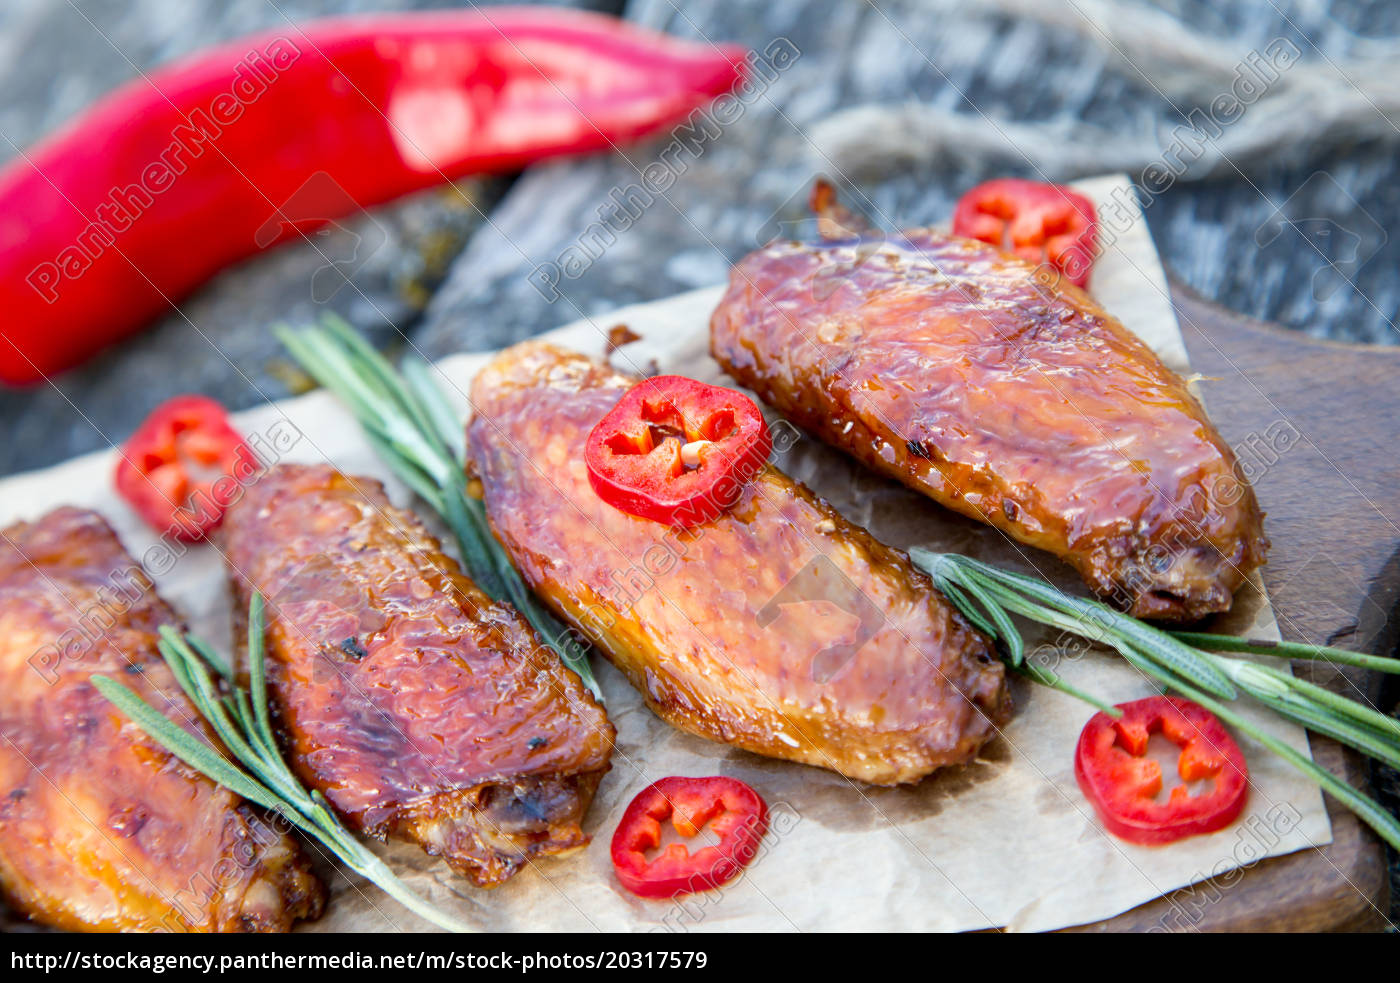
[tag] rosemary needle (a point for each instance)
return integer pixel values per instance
(1287, 650)
(241, 720)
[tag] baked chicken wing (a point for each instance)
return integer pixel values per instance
(941, 362)
(100, 828)
(418, 706)
(778, 627)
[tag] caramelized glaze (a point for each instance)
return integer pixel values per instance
(942, 363)
(100, 828)
(778, 627)
(418, 706)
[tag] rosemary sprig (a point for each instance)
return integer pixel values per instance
(412, 425)
(1187, 662)
(241, 720)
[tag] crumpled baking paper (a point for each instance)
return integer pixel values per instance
(1007, 841)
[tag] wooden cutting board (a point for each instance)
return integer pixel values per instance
(1310, 420)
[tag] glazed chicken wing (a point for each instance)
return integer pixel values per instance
(778, 627)
(942, 363)
(100, 828)
(418, 706)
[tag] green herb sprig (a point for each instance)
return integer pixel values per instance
(1189, 663)
(241, 720)
(412, 425)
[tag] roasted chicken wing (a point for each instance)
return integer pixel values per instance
(100, 828)
(945, 364)
(778, 627)
(418, 706)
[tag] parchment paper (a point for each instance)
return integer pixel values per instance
(1006, 841)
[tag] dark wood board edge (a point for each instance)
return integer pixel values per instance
(1310, 417)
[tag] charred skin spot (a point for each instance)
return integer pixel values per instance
(353, 649)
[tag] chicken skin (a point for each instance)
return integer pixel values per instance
(778, 627)
(101, 829)
(421, 708)
(943, 363)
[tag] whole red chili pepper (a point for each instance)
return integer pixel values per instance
(169, 179)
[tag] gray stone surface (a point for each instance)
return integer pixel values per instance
(1338, 281)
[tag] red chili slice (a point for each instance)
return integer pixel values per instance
(676, 450)
(733, 811)
(1041, 223)
(184, 466)
(1123, 784)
